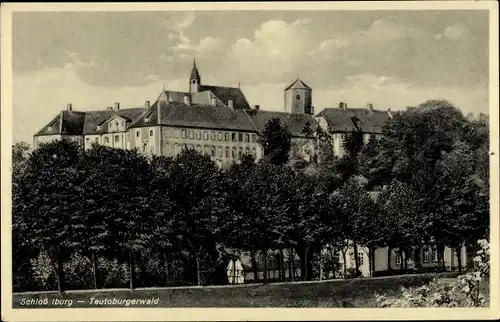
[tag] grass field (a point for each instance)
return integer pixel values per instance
(332, 293)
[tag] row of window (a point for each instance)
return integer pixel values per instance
(208, 135)
(213, 151)
(426, 256)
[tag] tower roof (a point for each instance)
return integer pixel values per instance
(298, 84)
(194, 72)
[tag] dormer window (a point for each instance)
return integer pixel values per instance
(98, 128)
(146, 120)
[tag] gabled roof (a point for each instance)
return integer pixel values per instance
(228, 93)
(339, 119)
(72, 124)
(294, 122)
(196, 115)
(298, 84)
(96, 118)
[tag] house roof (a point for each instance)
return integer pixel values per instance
(96, 118)
(72, 124)
(294, 122)
(298, 84)
(339, 119)
(228, 93)
(196, 115)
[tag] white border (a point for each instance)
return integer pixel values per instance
(220, 314)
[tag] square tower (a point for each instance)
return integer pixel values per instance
(298, 98)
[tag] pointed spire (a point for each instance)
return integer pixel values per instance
(194, 72)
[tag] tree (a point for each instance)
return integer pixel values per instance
(401, 213)
(198, 191)
(462, 203)
(47, 198)
(167, 244)
(276, 140)
(21, 252)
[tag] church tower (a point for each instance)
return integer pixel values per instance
(298, 98)
(194, 80)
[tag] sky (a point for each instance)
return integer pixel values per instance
(391, 59)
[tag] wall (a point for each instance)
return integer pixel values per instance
(173, 140)
(298, 106)
(44, 139)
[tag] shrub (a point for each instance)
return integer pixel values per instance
(464, 291)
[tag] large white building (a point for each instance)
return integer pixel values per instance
(215, 120)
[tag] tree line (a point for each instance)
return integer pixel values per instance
(127, 220)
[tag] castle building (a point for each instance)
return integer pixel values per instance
(214, 120)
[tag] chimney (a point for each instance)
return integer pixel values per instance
(117, 106)
(147, 104)
(312, 110)
(342, 105)
(186, 100)
(369, 106)
(345, 106)
(230, 104)
(257, 107)
(69, 107)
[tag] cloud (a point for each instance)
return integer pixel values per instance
(454, 32)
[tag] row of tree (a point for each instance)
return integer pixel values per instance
(430, 166)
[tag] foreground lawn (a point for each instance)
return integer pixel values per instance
(332, 293)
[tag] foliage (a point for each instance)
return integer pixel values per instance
(276, 140)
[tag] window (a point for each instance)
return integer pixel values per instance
(426, 255)
(219, 163)
(191, 147)
(117, 138)
(212, 150)
(233, 152)
(227, 152)
(254, 138)
(191, 134)
(240, 152)
(247, 151)
(205, 135)
(198, 148)
(198, 135)
(398, 258)
(434, 255)
(137, 134)
(206, 150)
(87, 139)
(254, 152)
(298, 97)
(361, 259)
(247, 138)
(116, 123)
(214, 136)
(144, 147)
(183, 133)
(227, 136)
(240, 137)
(150, 132)
(233, 137)
(220, 136)
(221, 151)
(106, 140)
